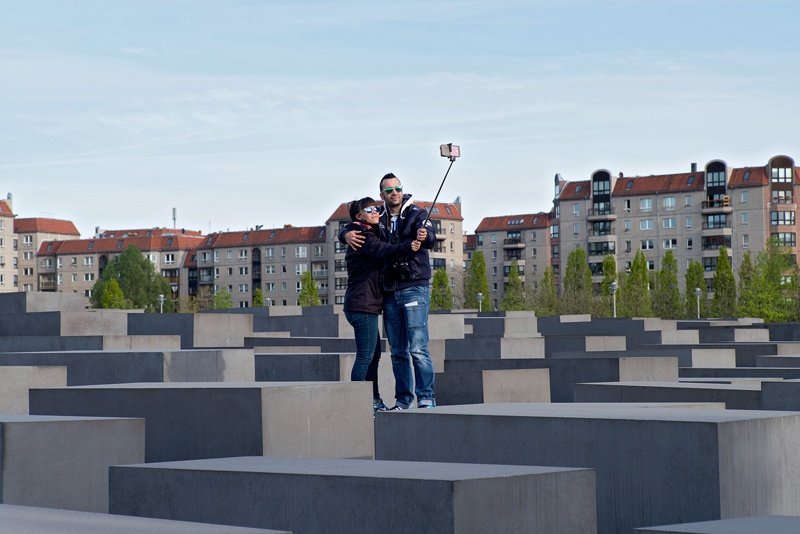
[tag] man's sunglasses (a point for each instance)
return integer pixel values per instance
(371, 209)
(398, 188)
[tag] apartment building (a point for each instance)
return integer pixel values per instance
(508, 238)
(75, 265)
(448, 253)
(272, 260)
(9, 281)
(30, 234)
(693, 214)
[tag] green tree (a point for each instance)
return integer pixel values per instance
(138, 279)
(667, 302)
(112, 297)
(605, 305)
(223, 300)
(724, 299)
(258, 297)
(441, 296)
(514, 297)
(776, 284)
(695, 278)
(748, 298)
(309, 293)
(576, 295)
(476, 281)
(545, 301)
(634, 292)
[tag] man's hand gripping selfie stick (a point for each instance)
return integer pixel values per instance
(450, 151)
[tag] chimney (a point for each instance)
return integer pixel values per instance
(694, 167)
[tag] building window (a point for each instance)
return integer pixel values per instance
(27, 255)
(670, 222)
(626, 205)
(298, 286)
(745, 219)
(88, 260)
(627, 225)
(746, 241)
(646, 205)
(270, 286)
(300, 268)
(716, 179)
(494, 287)
(318, 251)
(669, 204)
(745, 195)
(88, 277)
(27, 240)
(647, 244)
(216, 273)
(576, 209)
(230, 255)
(479, 240)
(494, 238)
(216, 256)
(269, 252)
(627, 246)
(646, 224)
(688, 243)
(782, 174)
(781, 218)
(244, 288)
(169, 259)
(784, 239)
(576, 229)
(670, 243)
(230, 271)
(688, 200)
(243, 254)
(554, 232)
(27, 271)
(243, 271)
(494, 270)
(283, 285)
(301, 252)
(74, 277)
(651, 265)
(269, 269)
(494, 255)
(204, 257)
(688, 221)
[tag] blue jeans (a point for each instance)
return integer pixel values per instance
(368, 349)
(405, 315)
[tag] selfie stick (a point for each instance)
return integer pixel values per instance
(450, 151)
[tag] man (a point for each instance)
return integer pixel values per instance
(406, 285)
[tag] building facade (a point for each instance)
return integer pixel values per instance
(509, 238)
(9, 277)
(30, 234)
(693, 214)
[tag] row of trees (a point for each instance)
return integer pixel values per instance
(130, 281)
(767, 288)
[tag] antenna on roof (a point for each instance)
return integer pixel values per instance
(174, 217)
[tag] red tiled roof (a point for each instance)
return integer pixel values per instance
(664, 183)
(756, 177)
(576, 190)
(44, 225)
(5, 211)
(472, 241)
(490, 224)
(145, 244)
(302, 234)
(147, 232)
(447, 211)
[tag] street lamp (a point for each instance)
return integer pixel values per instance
(613, 288)
(480, 302)
(161, 302)
(697, 295)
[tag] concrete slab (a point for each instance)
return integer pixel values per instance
(25, 302)
(772, 524)
(62, 462)
(220, 419)
(743, 372)
(15, 382)
(31, 520)
(332, 496)
(654, 466)
(121, 367)
(742, 396)
(520, 385)
(564, 374)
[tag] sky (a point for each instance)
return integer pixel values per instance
(241, 113)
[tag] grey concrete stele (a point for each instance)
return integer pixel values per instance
(768, 524)
(32, 520)
(654, 466)
(318, 496)
(194, 420)
(62, 462)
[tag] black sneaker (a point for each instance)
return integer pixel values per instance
(396, 408)
(379, 407)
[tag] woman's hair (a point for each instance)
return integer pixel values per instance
(356, 206)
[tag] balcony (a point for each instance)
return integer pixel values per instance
(513, 242)
(319, 274)
(605, 214)
(716, 229)
(712, 207)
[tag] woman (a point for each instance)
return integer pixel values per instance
(363, 301)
